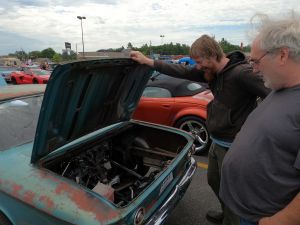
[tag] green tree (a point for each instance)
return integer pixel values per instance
(57, 58)
(247, 48)
(228, 47)
(71, 55)
(119, 49)
(20, 55)
(34, 54)
(48, 53)
(129, 45)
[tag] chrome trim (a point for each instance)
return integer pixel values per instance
(164, 211)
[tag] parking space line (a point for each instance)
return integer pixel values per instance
(202, 165)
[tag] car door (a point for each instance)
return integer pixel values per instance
(155, 106)
(28, 76)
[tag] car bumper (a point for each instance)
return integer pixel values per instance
(164, 211)
(7, 77)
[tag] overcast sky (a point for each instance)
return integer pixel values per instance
(39, 24)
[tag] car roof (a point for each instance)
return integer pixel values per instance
(16, 91)
(177, 87)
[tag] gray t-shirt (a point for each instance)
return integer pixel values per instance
(261, 170)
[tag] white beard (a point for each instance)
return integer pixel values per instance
(267, 83)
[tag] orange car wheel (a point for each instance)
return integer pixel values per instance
(196, 126)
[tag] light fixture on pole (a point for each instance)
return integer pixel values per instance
(162, 38)
(82, 18)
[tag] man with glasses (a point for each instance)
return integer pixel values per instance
(261, 171)
(235, 88)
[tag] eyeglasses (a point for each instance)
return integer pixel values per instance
(255, 62)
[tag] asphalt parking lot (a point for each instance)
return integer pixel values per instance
(197, 200)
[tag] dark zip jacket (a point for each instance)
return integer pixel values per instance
(235, 91)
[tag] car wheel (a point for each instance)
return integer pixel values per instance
(197, 127)
(4, 220)
(13, 81)
(35, 81)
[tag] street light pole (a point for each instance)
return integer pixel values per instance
(82, 18)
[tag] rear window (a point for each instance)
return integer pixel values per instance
(194, 86)
(156, 92)
(18, 119)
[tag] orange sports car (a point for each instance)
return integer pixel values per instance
(178, 103)
(30, 75)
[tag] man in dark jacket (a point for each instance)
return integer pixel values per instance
(235, 89)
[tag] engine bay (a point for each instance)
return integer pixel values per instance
(121, 167)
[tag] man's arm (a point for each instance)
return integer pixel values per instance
(141, 58)
(174, 70)
(287, 216)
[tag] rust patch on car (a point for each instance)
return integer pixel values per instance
(46, 175)
(28, 197)
(86, 202)
(16, 189)
(48, 202)
(14, 91)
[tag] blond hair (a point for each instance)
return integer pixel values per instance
(206, 47)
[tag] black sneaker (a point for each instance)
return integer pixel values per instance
(215, 216)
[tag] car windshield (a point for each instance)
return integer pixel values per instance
(18, 119)
(40, 72)
(158, 76)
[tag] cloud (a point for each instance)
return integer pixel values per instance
(39, 24)
(11, 42)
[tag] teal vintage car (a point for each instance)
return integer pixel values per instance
(72, 154)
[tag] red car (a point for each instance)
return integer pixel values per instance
(177, 103)
(30, 76)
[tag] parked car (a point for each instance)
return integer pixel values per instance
(30, 76)
(73, 156)
(5, 72)
(187, 61)
(178, 103)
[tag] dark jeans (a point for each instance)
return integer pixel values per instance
(245, 222)
(216, 155)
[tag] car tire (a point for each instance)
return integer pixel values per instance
(196, 126)
(35, 81)
(13, 81)
(4, 220)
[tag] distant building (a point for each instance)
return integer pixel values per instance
(42, 60)
(9, 61)
(101, 55)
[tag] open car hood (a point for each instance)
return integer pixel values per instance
(84, 96)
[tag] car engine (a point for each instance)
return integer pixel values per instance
(118, 168)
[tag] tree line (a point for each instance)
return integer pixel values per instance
(165, 49)
(46, 53)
